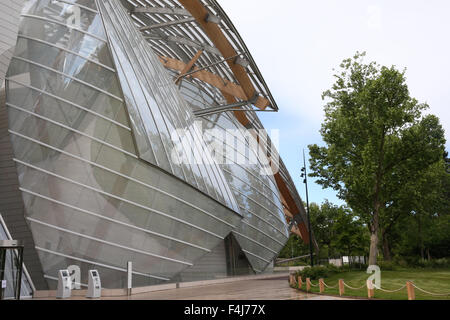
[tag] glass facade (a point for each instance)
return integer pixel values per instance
(112, 164)
(90, 198)
(262, 232)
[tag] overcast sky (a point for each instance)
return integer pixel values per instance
(297, 43)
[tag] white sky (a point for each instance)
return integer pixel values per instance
(297, 43)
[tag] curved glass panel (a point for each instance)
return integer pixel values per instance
(157, 106)
(69, 15)
(89, 199)
(262, 233)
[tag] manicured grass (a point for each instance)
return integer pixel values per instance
(432, 280)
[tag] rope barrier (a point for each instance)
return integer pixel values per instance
(330, 287)
(354, 288)
(381, 289)
(391, 291)
(431, 293)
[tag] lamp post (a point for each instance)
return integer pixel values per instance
(305, 181)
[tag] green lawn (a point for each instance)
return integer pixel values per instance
(432, 280)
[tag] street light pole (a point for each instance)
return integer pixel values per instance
(305, 181)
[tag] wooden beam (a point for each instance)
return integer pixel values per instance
(189, 65)
(218, 38)
(225, 86)
(208, 77)
(299, 230)
(287, 213)
(303, 232)
(296, 231)
(240, 116)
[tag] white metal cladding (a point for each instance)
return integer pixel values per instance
(9, 25)
(89, 200)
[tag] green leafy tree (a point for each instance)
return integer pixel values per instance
(421, 197)
(375, 136)
(338, 231)
(293, 248)
(425, 231)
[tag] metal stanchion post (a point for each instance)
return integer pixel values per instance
(130, 277)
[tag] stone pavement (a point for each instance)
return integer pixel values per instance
(259, 289)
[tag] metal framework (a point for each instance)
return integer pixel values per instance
(16, 247)
(177, 30)
(196, 40)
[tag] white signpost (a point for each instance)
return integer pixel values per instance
(130, 276)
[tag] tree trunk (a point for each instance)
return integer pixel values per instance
(374, 237)
(377, 205)
(419, 225)
(386, 248)
(373, 248)
(374, 228)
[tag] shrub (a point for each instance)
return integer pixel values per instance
(386, 266)
(436, 263)
(334, 269)
(441, 263)
(400, 261)
(327, 270)
(416, 262)
(314, 273)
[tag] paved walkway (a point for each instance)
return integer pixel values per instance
(262, 289)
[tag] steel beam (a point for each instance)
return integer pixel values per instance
(161, 10)
(220, 109)
(166, 24)
(185, 41)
